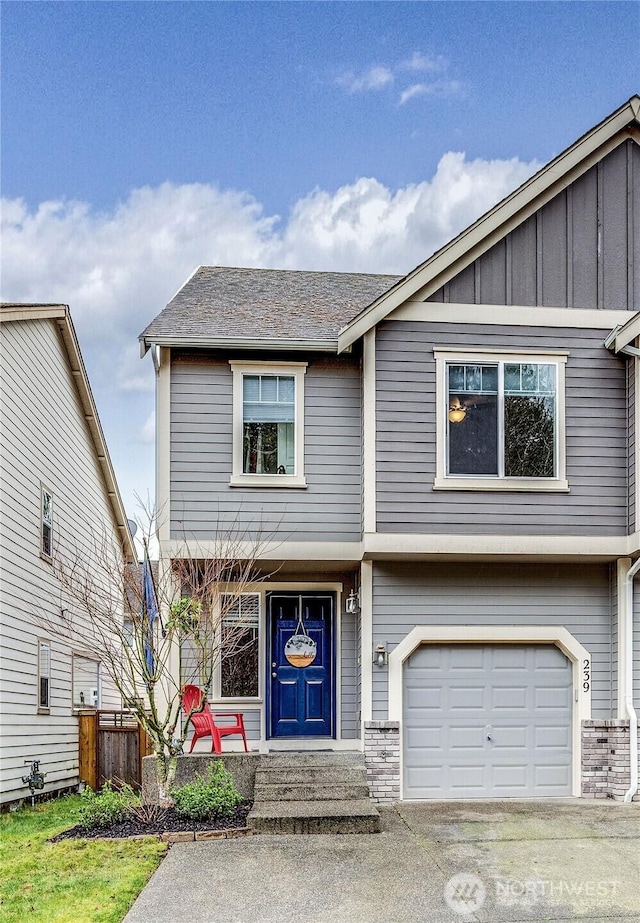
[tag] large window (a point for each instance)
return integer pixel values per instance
(239, 663)
(502, 419)
(268, 427)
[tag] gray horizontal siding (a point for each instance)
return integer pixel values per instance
(596, 437)
(575, 596)
(202, 503)
(579, 250)
(348, 668)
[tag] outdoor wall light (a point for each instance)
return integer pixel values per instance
(380, 656)
(352, 602)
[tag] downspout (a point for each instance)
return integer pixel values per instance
(628, 683)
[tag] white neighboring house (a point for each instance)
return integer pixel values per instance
(57, 489)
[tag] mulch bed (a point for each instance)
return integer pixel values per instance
(170, 822)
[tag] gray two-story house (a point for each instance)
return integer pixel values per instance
(441, 471)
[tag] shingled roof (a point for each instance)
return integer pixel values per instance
(229, 304)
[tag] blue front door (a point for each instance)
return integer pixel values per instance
(301, 698)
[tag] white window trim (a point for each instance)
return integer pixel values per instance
(43, 554)
(43, 709)
(238, 477)
(443, 481)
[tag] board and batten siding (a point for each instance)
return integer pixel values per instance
(203, 503)
(44, 439)
(580, 250)
(597, 441)
(579, 597)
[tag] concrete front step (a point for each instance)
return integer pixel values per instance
(355, 816)
(289, 775)
(308, 791)
(300, 758)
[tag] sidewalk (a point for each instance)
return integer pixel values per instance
(491, 862)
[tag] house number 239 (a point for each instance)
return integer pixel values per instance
(586, 675)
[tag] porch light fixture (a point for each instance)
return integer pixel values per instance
(352, 602)
(380, 656)
(457, 411)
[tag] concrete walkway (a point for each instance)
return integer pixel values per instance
(491, 862)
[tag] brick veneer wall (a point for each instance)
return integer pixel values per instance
(382, 760)
(605, 759)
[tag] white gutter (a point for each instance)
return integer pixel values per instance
(209, 342)
(627, 679)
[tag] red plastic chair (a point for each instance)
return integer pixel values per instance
(204, 721)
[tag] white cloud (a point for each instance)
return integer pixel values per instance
(375, 78)
(117, 269)
(147, 433)
(440, 88)
(423, 62)
(380, 76)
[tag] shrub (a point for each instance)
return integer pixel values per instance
(213, 794)
(110, 806)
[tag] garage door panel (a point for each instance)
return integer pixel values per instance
(511, 737)
(553, 777)
(552, 737)
(467, 778)
(513, 776)
(502, 732)
(552, 698)
(465, 660)
(464, 737)
(424, 698)
(509, 698)
(507, 657)
(466, 698)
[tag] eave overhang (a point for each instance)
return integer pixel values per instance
(623, 335)
(278, 344)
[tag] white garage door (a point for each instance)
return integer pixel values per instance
(487, 721)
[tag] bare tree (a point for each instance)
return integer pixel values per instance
(156, 632)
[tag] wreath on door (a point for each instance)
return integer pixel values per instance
(300, 650)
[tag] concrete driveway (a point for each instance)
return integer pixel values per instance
(442, 861)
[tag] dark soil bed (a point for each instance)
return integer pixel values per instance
(170, 822)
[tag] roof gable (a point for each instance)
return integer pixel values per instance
(59, 314)
(452, 259)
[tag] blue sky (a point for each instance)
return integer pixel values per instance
(141, 139)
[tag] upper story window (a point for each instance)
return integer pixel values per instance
(500, 421)
(46, 523)
(268, 424)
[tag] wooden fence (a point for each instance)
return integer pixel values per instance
(112, 745)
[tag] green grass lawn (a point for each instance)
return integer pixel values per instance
(75, 881)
